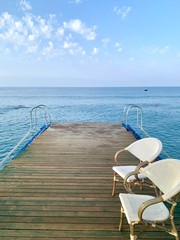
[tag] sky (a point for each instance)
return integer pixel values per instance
(89, 43)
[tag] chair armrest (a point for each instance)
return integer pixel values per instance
(135, 173)
(142, 164)
(147, 204)
(117, 154)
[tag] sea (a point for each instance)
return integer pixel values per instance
(160, 111)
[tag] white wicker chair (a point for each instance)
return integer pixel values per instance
(149, 210)
(146, 150)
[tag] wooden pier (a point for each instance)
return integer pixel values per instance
(60, 186)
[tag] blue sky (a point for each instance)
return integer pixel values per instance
(89, 43)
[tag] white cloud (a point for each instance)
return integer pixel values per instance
(19, 26)
(6, 20)
(25, 5)
(49, 50)
(12, 31)
(35, 35)
(31, 37)
(25, 30)
(73, 48)
(105, 41)
(123, 12)
(28, 19)
(32, 49)
(69, 44)
(77, 26)
(43, 27)
(60, 32)
(95, 51)
(118, 47)
(69, 37)
(83, 52)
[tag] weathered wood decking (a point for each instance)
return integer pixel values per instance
(60, 186)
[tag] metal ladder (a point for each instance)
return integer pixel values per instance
(139, 117)
(139, 122)
(32, 129)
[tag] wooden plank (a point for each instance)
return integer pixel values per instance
(60, 186)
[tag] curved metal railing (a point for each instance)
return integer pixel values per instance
(33, 128)
(33, 116)
(139, 117)
(139, 122)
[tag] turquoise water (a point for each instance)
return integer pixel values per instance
(161, 112)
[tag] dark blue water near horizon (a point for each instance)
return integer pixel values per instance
(160, 105)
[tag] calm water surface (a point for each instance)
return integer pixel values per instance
(161, 110)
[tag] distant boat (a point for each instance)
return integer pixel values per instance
(145, 89)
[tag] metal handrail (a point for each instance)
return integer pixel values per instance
(139, 120)
(47, 116)
(33, 127)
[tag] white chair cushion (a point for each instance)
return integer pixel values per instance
(124, 170)
(132, 202)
